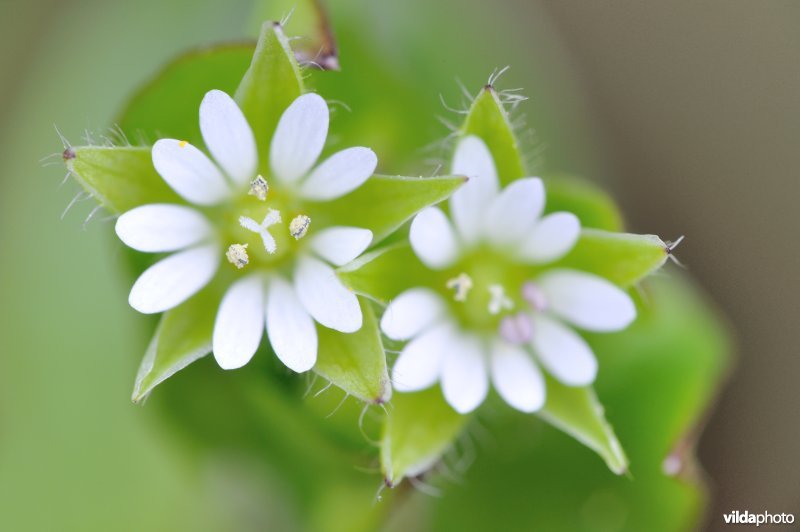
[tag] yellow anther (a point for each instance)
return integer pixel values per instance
(237, 255)
(299, 226)
(183, 143)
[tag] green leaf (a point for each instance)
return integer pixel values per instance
(590, 203)
(355, 362)
(120, 178)
(488, 120)
(183, 335)
(418, 430)
(577, 412)
(622, 258)
(271, 83)
(384, 203)
(384, 273)
(168, 106)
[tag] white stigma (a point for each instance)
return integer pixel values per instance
(462, 285)
(499, 300)
(237, 255)
(298, 227)
(273, 217)
(259, 188)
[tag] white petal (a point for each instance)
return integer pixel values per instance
(291, 330)
(240, 323)
(299, 137)
(325, 297)
(339, 174)
(514, 211)
(228, 136)
(171, 281)
(161, 227)
(563, 352)
(587, 301)
(464, 379)
(551, 238)
(420, 362)
(340, 245)
(189, 172)
(517, 378)
(468, 204)
(433, 239)
(411, 312)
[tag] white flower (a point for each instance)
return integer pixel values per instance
(496, 316)
(283, 282)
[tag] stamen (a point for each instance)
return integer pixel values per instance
(499, 301)
(273, 217)
(461, 284)
(534, 296)
(183, 143)
(299, 226)
(259, 188)
(237, 255)
(516, 329)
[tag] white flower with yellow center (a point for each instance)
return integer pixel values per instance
(280, 263)
(496, 314)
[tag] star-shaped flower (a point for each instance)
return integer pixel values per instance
(497, 314)
(281, 274)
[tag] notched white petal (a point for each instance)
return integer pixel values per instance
(228, 136)
(341, 173)
(411, 312)
(465, 382)
(469, 203)
(291, 330)
(433, 239)
(340, 245)
(514, 211)
(239, 325)
(160, 227)
(551, 238)
(325, 297)
(173, 280)
(517, 378)
(563, 352)
(189, 172)
(587, 301)
(299, 137)
(420, 362)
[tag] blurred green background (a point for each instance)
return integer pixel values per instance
(686, 110)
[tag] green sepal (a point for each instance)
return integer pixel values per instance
(271, 83)
(578, 412)
(418, 430)
(384, 273)
(355, 362)
(120, 178)
(622, 258)
(183, 335)
(488, 120)
(590, 203)
(383, 203)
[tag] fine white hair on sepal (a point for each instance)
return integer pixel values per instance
(346, 395)
(464, 111)
(64, 141)
(91, 215)
(495, 75)
(79, 197)
(671, 245)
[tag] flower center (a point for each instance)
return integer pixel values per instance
(262, 228)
